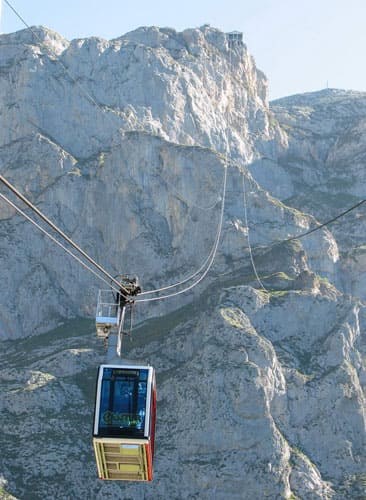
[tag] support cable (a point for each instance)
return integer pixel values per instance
(211, 260)
(18, 16)
(203, 264)
(91, 99)
(324, 224)
(61, 233)
(49, 51)
(213, 252)
(248, 236)
(306, 233)
(40, 228)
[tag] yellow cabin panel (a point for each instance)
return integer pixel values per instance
(120, 460)
(129, 468)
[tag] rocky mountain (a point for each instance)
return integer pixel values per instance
(324, 165)
(260, 367)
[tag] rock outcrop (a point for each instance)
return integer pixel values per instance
(324, 168)
(261, 367)
(123, 144)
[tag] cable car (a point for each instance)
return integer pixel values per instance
(124, 422)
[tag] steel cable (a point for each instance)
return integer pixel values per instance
(211, 260)
(60, 233)
(213, 252)
(40, 228)
(248, 236)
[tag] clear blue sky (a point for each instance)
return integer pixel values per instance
(300, 45)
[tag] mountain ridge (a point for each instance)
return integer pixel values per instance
(261, 384)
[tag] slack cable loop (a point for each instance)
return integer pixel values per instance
(204, 263)
(189, 277)
(211, 259)
(248, 236)
(40, 228)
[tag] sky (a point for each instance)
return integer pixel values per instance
(301, 46)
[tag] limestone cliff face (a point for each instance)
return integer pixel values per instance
(124, 144)
(259, 395)
(180, 86)
(324, 168)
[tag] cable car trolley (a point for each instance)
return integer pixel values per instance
(125, 401)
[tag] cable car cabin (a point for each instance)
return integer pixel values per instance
(124, 422)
